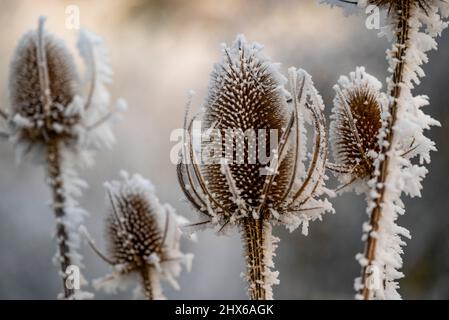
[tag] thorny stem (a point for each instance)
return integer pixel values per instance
(254, 235)
(56, 184)
(402, 36)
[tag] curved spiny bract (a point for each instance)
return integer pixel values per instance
(248, 114)
(142, 236)
(355, 126)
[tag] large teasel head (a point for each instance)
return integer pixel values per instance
(49, 102)
(356, 123)
(247, 102)
(249, 167)
(143, 238)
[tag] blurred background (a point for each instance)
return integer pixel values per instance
(160, 49)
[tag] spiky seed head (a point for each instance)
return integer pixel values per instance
(35, 121)
(354, 135)
(245, 95)
(143, 238)
(134, 229)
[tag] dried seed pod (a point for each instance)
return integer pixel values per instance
(247, 114)
(143, 237)
(43, 82)
(355, 126)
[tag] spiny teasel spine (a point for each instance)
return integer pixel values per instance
(50, 121)
(143, 238)
(356, 123)
(231, 186)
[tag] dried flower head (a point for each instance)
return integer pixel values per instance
(143, 237)
(248, 114)
(43, 83)
(47, 99)
(356, 123)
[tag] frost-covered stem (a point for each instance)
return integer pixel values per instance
(403, 14)
(56, 183)
(150, 281)
(255, 233)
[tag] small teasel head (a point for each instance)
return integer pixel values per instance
(356, 123)
(43, 82)
(251, 162)
(143, 237)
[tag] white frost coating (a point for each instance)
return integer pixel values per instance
(97, 112)
(166, 266)
(271, 276)
(404, 176)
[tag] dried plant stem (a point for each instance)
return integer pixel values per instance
(150, 282)
(255, 232)
(402, 36)
(56, 183)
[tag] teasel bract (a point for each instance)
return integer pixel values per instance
(413, 26)
(54, 123)
(143, 238)
(229, 183)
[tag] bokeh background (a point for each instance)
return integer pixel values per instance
(159, 50)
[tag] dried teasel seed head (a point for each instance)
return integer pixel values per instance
(43, 82)
(245, 94)
(356, 122)
(143, 236)
(253, 150)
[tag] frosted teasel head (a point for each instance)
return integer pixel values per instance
(143, 238)
(355, 126)
(247, 95)
(48, 99)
